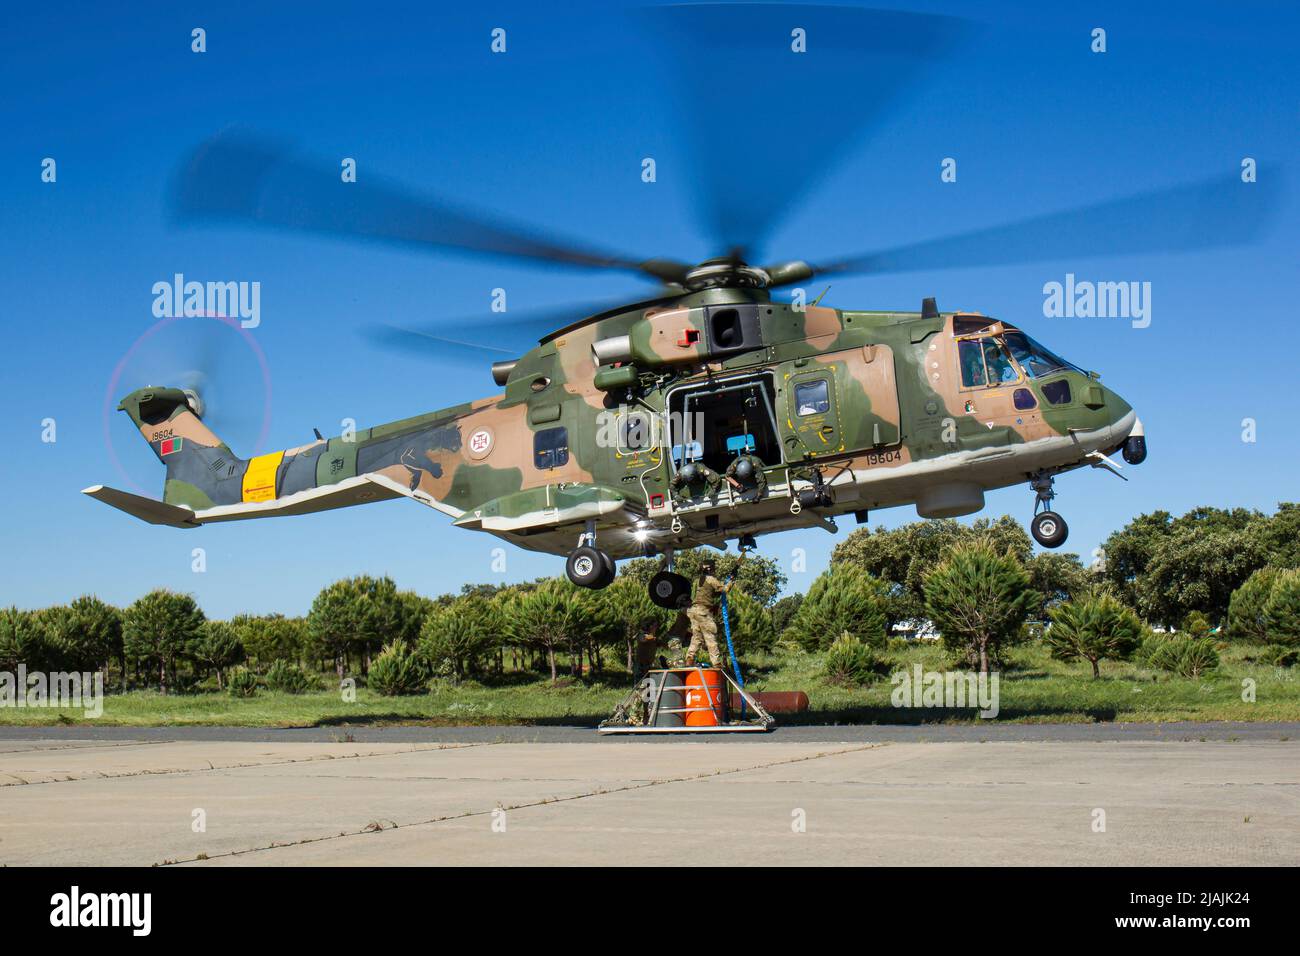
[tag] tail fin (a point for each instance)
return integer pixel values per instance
(202, 471)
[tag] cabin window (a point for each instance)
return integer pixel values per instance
(1024, 399)
(1058, 392)
(551, 448)
(812, 398)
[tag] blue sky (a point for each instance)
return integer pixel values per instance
(553, 134)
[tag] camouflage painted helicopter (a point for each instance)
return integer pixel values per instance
(707, 413)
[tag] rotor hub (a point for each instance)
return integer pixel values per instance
(725, 274)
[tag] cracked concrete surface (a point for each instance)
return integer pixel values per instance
(119, 802)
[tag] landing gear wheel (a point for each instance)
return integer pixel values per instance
(670, 590)
(1049, 529)
(587, 568)
(611, 571)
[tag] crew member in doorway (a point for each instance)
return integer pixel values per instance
(694, 479)
(704, 626)
(745, 475)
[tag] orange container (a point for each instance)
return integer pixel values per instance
(705, 690)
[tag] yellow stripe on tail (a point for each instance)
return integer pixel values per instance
(259, 479)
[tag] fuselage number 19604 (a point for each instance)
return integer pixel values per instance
(883, 457)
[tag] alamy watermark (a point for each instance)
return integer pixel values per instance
(230, 300)
(54, 689)
(950, 689)
(1085, 299)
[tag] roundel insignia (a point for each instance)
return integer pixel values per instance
(480, 443)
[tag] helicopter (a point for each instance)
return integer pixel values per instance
(708, 412)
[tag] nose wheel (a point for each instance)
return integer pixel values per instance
(1048, 528)
(588, 566)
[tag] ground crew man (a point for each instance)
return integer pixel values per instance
(704, 626)
(745, 475)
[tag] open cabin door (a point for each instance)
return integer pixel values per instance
(713, 422)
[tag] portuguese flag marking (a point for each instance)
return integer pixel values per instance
(170, 445)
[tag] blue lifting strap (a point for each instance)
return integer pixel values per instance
(731, 649)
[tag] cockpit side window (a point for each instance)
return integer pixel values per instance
(985, 362)
(971, 358)
(1036, 360)
(998, 363)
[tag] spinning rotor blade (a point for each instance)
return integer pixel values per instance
(764, 131)
(239, 178)
(448, 339)
(1211, 213)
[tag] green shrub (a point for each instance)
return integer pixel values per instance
(242, 682)
(1093, 629)
(1246, 607)
(1184, 656)
(398, 670)
(751, 623)
(1148, 646)
(1196, 625)
(22, 641)
(288, 678)
(1282, 610)
(850, 662)
(453, 639)
(979, 599)
(1276, 655)
(845, 598)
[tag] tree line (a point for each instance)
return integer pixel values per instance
(1165, 590)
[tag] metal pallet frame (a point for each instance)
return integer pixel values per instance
(765, 721)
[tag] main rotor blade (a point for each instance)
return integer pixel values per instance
(1212, 213)
(235, 177)
(456, 339)
(764, 131)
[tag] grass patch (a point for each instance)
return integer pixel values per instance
(1034, 689)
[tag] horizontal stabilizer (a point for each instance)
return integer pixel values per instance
(146, 509)
(358, 490)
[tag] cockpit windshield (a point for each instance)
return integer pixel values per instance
(1036, 360)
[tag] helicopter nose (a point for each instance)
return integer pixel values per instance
(1129, 435)
(1135, 445)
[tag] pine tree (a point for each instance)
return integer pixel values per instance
(979, 600)
(157, 630)
(1093, 629)
(1282, 611)
(844, 599)
(1246, 606)
(217, 647)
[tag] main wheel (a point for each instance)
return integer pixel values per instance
(611, 571)
(1049, 529)
(670, 590)
(586, 568)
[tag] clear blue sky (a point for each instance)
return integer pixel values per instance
(553, 134)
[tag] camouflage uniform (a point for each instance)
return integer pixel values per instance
(704, 626)
(709, 479)
(758, 481)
